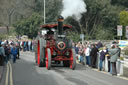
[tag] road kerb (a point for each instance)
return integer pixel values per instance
(121, 77)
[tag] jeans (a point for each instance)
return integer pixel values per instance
(32, 48)
(109, 63)
(88, 60)
(14, 58)
(81, 58)
(100, 64)
(110, 68)
(1, 60)
(7, 57)
(82, 61)
(29, 46)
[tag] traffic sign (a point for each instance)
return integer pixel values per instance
(81, 36)
(127, 32)
(119, 30)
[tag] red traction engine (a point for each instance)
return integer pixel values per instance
(53, 46)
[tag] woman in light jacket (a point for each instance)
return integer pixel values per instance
(114, 52)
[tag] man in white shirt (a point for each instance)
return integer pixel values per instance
(87, 54)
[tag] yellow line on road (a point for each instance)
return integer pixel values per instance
(9, 71)
(6, 81)
(11, 79)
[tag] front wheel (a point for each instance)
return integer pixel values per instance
(72, 59)
(48, 58)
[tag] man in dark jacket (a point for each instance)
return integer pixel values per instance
(99, 44)
(2, 54)
(93, 55)
(18, 52)
(7, 52)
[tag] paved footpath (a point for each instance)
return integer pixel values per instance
(25, 72)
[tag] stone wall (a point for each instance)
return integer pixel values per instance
(125, 68)
(125, 71)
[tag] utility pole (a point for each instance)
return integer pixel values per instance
(82, 37)
(44, 11)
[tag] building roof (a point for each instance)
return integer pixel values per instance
(3, 30)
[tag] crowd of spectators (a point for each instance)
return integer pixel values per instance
(88, 54)
(26, 45)
(10, 49)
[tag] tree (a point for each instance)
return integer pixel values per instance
(29, 26)
(100, 15)
(104, 34)
(7, 7)
(124, 21)
(123, 3)
(70, 35)
(124, 18)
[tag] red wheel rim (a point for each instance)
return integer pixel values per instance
(71, 59)
(46, 61)
(38, 53)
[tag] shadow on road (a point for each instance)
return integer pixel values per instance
(59, 68)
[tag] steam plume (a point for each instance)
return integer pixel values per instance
(73, 8)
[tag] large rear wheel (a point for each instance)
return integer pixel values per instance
(40, 53)
(72, 59)
(48, 59)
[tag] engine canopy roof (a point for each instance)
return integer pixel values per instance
(49, 26)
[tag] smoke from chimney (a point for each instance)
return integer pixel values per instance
(73, 8)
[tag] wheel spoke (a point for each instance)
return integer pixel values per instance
(38, 53)
(72, 59)
(48, 58)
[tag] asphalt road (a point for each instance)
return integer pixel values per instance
(25, 72)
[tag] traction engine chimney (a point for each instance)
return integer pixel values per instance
(60, 25)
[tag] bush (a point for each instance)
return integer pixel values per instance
(121, 58)
(73, 36)
(126, 51)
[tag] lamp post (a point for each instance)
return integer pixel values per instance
(44, 11)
